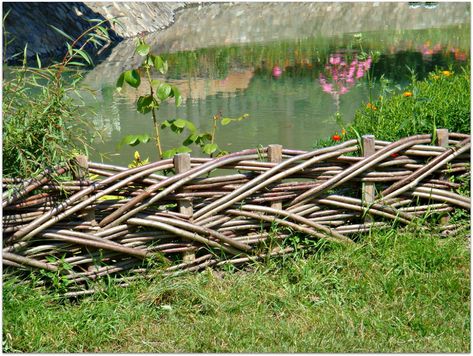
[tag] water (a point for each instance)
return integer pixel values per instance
(277, 70)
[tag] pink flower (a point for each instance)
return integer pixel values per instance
(360, 72)
(335, 59)
(277, 72)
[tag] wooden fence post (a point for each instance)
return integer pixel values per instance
(275, 156)
(182, 163)
(80, 173)
(442, 141)
(368, 188)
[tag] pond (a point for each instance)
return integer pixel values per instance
(291, 72)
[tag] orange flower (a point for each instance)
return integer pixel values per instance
(344, 132)
(435, 76)
(407, 94)
(336, 137)
(371, 106)
(447, 73)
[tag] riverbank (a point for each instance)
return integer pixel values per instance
(30, 23)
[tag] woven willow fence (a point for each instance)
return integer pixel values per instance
(185, 214)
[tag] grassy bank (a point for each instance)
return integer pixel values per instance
(406, 291)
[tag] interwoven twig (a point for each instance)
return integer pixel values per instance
(242, 207)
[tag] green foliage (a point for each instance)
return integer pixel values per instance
(159, 92)
(395, 291)
(41, 123)
(440, 101)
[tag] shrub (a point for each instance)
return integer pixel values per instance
(42, 126)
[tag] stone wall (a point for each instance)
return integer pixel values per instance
(28, 22)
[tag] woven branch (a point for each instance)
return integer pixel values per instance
(230, 210)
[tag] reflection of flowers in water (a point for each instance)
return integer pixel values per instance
(339, 76)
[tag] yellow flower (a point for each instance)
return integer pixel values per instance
(344, 132)
(407, 94)
(371, 106)
(447, 73)
(436, 76)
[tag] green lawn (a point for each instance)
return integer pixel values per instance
(405, 291)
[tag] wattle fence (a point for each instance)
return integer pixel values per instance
(185, 214)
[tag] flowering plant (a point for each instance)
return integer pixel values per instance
(340, 77)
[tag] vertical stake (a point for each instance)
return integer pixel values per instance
(368, 188)
(275, 156)
(442, 141)
(182, 163)
(80, 173)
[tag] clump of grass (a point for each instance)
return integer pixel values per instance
(442, 100)
(394, 291)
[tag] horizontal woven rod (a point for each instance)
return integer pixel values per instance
(356, 207)
(33, 184)
(147, 180)
(334, 217)
(222, 185)
(360, 167)
(296, 218)
(197, 229)
(358, 228)
(415, 147)
(96, 244)
(432, 196)
(272, 176)
(103, 166)
(306, 230)
(172, 184)
(412, 180)
(184, 233)
(28, 261)
(55, 215)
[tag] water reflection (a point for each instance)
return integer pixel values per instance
(291, 88)
(339, 78)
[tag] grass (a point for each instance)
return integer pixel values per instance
(404, 291)
(442, 100)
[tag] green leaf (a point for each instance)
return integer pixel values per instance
(169, 153)
(155, 84)
(38, 61)
(183, 149)
(133, 140)
(143, 105)
(159, 64)
(80, 64)
(165, 67)
(181, 123)
(225, 121)
(165, 124)
(177, 95)
(144, 138)
(210, 148)
(142, 49)
(163, 91)
(190, 139)
(190, 126)
(62, 33)
(84, 55)
(120, 81)
(132, 77)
